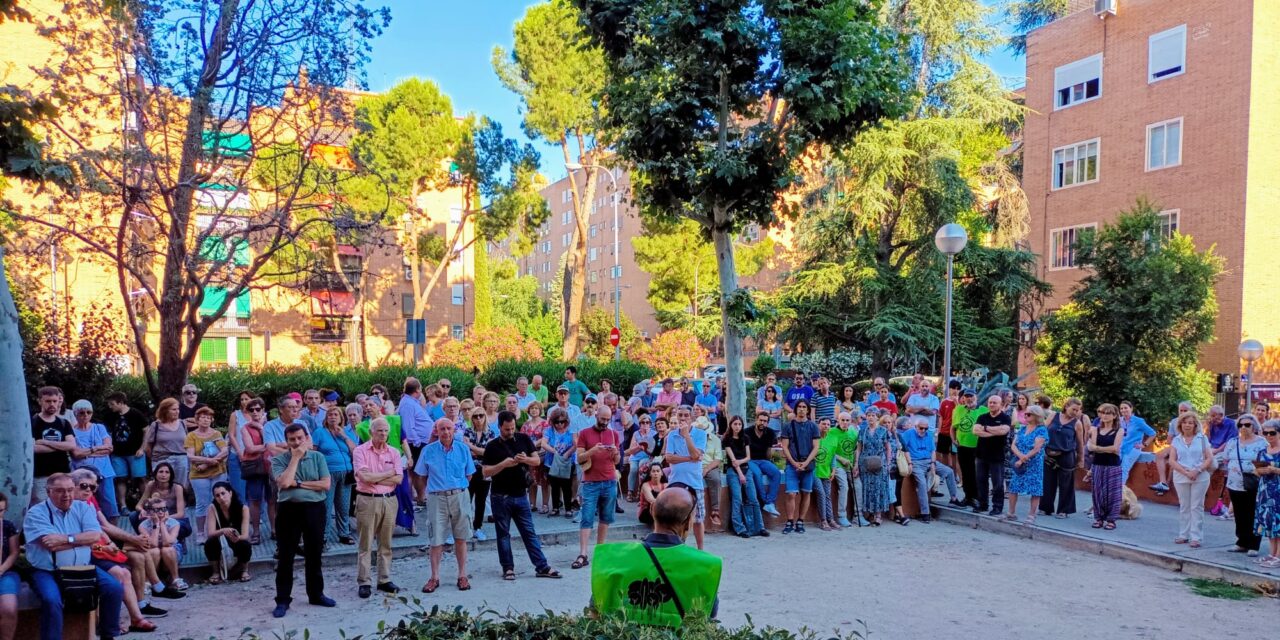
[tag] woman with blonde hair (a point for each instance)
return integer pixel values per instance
(1107, 475)
(1192, 463)
(1028, 462)
(166, 441)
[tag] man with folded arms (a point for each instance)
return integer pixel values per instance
(378, 472)
(448, 467)
(302, 478)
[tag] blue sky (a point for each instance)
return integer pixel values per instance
(450, 42)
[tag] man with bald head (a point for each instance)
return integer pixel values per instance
(660, 580)
(598, 455)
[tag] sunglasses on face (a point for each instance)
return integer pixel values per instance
(188, 393)
(84, 412)
(157, 509)
(559, 422)
(85, 486)
(1270, 433)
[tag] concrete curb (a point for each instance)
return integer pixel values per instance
(1112, 549)
(198, 572)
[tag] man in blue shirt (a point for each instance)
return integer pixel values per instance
(683, 451)
(447, 467)
(923, 454)
(708, 399)
(925, 404)
(312, 413)
(1137, 435)
(415, 427)
(880, 391)
(799, 391)
(1221, 428)
(60, 532)
(824, 402)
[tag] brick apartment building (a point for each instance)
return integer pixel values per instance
(1177, 101)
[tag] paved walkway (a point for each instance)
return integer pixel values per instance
(1148, 539)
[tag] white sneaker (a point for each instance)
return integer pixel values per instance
(771, 510)
(180, 584)
(479, 535)
(1251, 553)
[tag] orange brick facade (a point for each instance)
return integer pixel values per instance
(1226, 188)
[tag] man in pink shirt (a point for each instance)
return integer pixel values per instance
(378, 471)
(668, 398)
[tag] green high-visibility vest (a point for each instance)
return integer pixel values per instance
(625, 583)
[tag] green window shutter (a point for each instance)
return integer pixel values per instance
(244, 351)
(213, 351)
(240, 252)
(242, 304)
(213, 249)
(213, 297)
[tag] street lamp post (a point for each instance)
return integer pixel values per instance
(950, 240)
(617, 270)
(1249, 351)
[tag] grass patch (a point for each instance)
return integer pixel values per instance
(1219, 589)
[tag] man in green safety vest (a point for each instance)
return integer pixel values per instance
(658, 581)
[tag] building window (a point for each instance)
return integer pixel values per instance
(595, 230)
(592, 254)
(1062, 247)
(1169, 222)
(1075, 164)
(457, 332)
(1164, 144)
(1167, 54)
(458, 296)
(593, 297)
(408, 268)
(546, 246)
(564, 239)
(615, 272)
(593, 276)
(455, 216)
(566, 216)
(1077, 82)
(213, 351)
(751, 232)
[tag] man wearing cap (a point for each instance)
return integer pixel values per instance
(562, 402)
(578, 390)
(587, 417)
(962, 421)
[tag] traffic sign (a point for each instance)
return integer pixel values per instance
(615, 336)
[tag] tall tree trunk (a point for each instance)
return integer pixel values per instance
(17, 454)
(734, 373)
(573, 289)
(177, 313)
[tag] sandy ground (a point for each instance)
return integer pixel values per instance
(916, 582)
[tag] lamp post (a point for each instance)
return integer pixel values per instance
(1249, 351)
(617, 270)
(950, 240)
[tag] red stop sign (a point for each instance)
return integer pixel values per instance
(615, 336)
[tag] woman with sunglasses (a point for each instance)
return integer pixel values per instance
(477, 437)
(106, 555)
(252, 449)
(641, 447)
(1242, 481)
(1105, 441)
(558, 441)
(1266, 519)
(773, 405)
(162, 485)
(93, 451)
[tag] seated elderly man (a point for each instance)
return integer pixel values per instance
(60, 533)
(112, 559)
(923, 454)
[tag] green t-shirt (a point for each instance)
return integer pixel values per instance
(836, 443)
(962, 420)
(393, 437)
(577, 392)
(311, 467)
(541, 394)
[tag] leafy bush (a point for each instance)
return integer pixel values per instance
(219, 387)
(485, 347)
(672, 353)
(82, 364)
(440, 624)
(840, 365)
(763, 365)
(501, 376)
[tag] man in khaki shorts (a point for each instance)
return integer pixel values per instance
(448, 469)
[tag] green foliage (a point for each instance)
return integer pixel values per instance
(763, 365)
(1220, 589)
(1135, 324)
(219, 387)
(444, 624)
(483, 286)
(80, 364)
(405, 135)
(501, 376)
(597, 322)
(1029, 15)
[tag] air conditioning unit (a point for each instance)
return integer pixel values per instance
(1103, 8)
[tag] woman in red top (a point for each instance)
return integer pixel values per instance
(533, 427)
(654, 484)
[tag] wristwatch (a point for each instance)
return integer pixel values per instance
(71, 540)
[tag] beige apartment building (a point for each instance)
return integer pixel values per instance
(626, 280)
(1177, 101)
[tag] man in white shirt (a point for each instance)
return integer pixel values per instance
(924, 403)
(523, 397)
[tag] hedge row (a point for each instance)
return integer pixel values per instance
(624, 374)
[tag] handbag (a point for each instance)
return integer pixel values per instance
(1250, 480)
(78, 584)
(561, 467)
(873, 464)
(904, 464)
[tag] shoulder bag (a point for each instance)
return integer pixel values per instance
(78, 584)
(1250, 480)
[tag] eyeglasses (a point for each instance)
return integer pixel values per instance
(157, 509)
(189, 393)
(445, 386)
(86, 486)
(559, 422)
(645, 422)
(84, 412)
(1270, 433)
(255, 409)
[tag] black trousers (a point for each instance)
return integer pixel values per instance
(561, 492)
(1245, 504)
(299, 521)
(240, 548)
(990, 484)
(968, 471)
(479, 488)
(1059, 484)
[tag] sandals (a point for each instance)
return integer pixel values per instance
(554, 513)
(715, 518)
(464, 584)
(245, 577)
(1009, 517)
(1195, 544)
(580, 562)
(214, 580)
(1109, 526)
(547, 573)
(1031, 519)
(509, 575)
(1097, 524)
(431, 586)
(142, 626)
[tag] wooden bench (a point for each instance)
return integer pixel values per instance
(75, 626)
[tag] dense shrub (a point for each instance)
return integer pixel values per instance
(672, 353)
(486, 346)
(218, 387)
(501, 376)
(839, 365)
(763, 365)
(440, 624)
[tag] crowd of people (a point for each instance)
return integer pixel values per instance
(126, 494)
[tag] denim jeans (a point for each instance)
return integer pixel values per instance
(920, 471)
(110, 597)
(337, 508)
(744, 512)
(233, 474)
(762, 470)
(822, 487)
(203, 490)
(507, 509)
